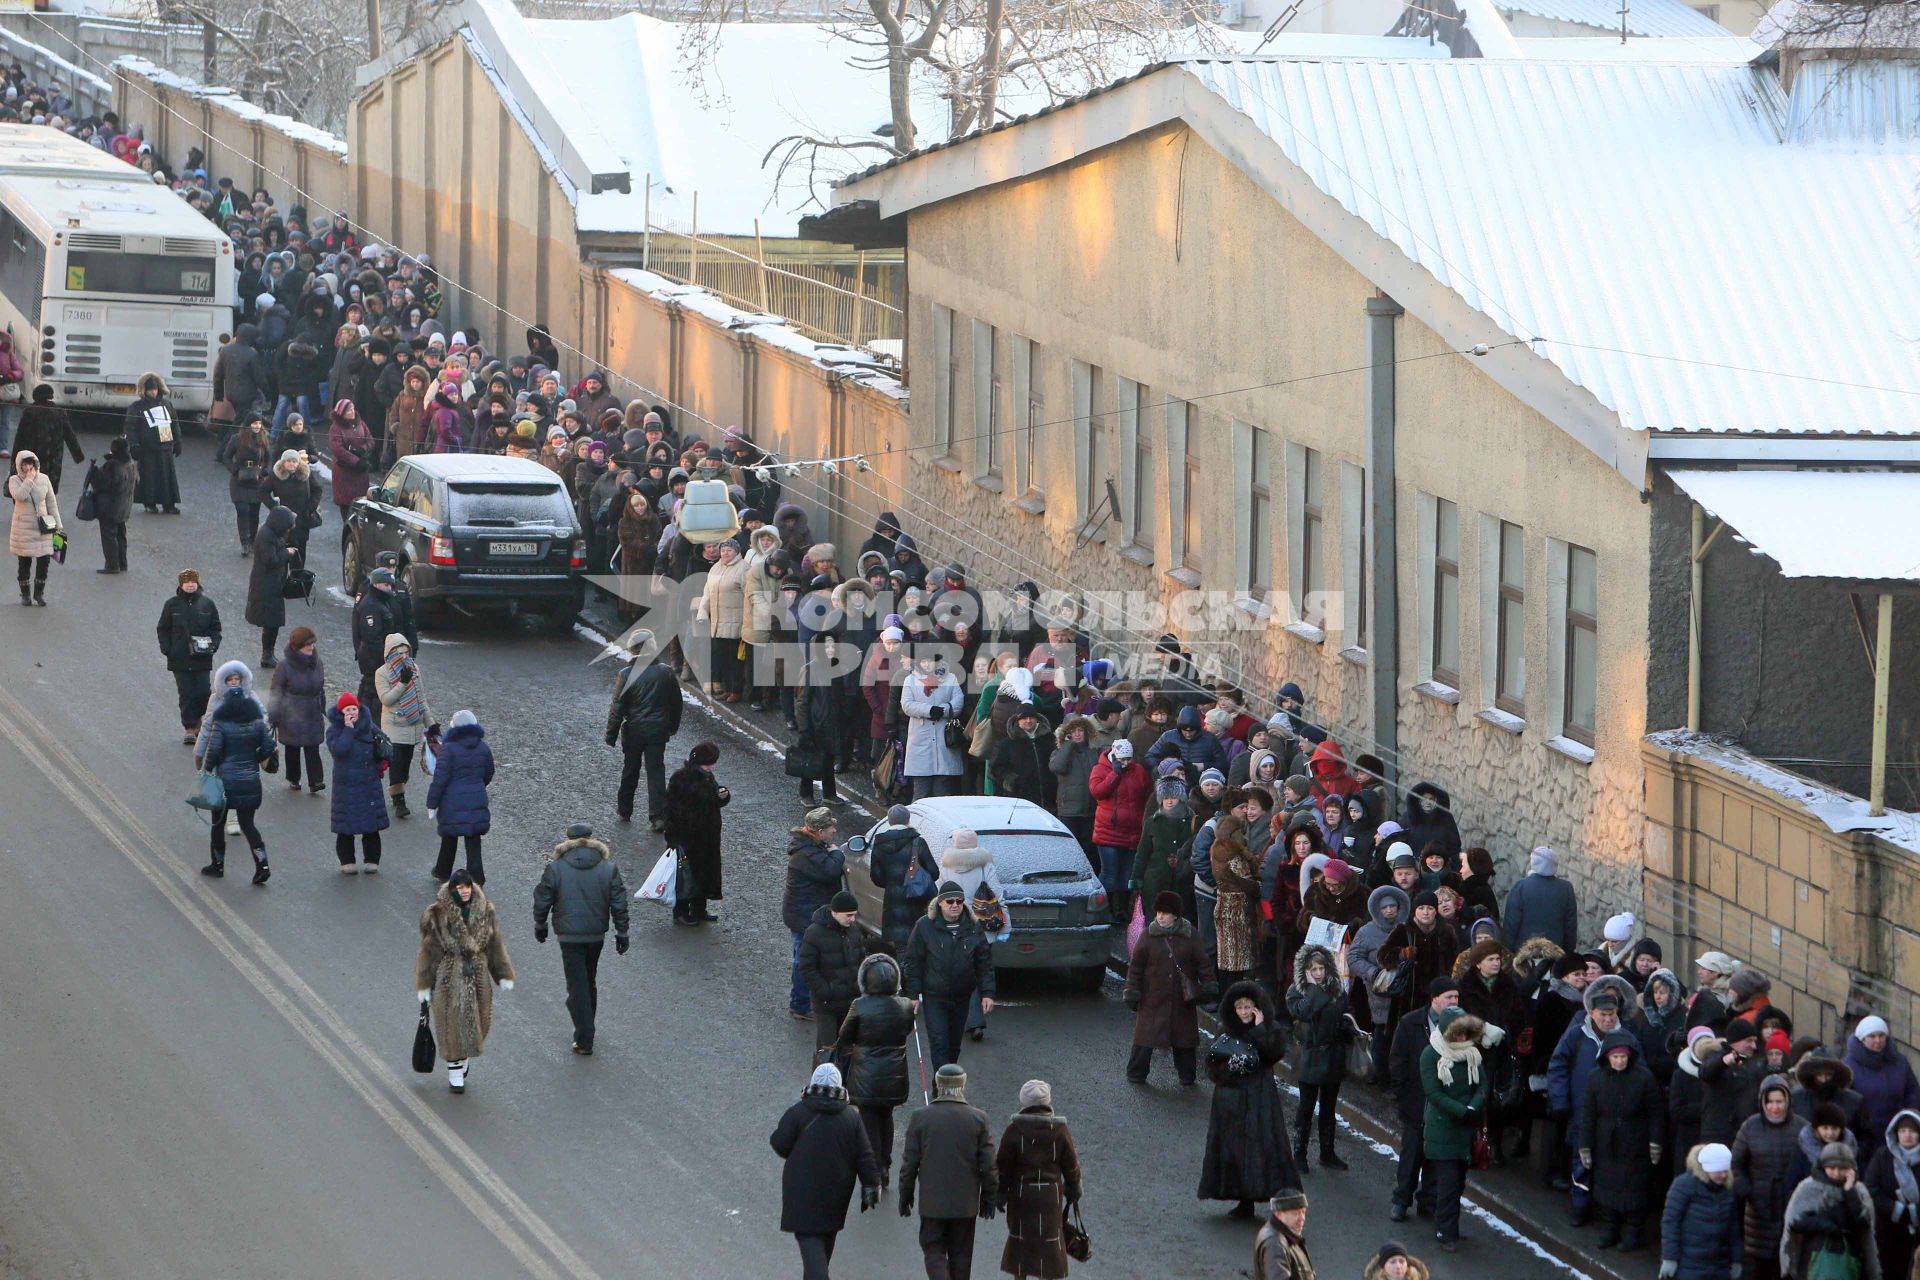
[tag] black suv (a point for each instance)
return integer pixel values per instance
(471, 527)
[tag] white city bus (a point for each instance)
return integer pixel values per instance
(106, 275)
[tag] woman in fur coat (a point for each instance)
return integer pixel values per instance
(1249, 1154)
(462, 953)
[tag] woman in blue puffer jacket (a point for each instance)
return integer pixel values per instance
(359, 807)
(1700, 1228)
(235, 742)
(462, 771)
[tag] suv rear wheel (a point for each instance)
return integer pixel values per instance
(424, 613)
(350, 566)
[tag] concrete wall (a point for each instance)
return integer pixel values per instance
(1759, 687)
(1828, 916)
(295, 162)
(49, 59)
(440, 167)
(670, 340)
(1095, 261)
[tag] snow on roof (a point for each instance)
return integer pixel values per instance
(228, 100)
(1693, 49)
(1614, 214)
(1819, 524)
(1837, 809)
(711, 110)
(1644, 17)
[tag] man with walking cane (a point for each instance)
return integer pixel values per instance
(948, 1159)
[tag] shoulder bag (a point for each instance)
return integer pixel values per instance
(211, 794)
(1073, 1234)
(1189, 989)
(1359, 1052)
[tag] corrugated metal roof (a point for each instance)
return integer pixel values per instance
(1857, 525)
(1679, 260)
(1644, 17)
(1854, 100)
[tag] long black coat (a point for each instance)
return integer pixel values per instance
(159, 484)
(825, 1147)
(874, 1035)
(1249, 1152)
(1763, 1160)
(694, 801)
(266, 606)
(894, 851)
(1020, 768)
(183, 617)
(297, 700)
(1624, 1114)
(45, 431)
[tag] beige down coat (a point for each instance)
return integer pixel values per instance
(459, 961)
(32, 499)
(723, 603)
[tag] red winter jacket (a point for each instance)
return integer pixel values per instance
(1120, 801)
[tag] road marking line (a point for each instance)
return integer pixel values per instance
(97, 802)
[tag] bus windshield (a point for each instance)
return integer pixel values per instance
(167, 275)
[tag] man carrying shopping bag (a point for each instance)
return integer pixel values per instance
(582, 890)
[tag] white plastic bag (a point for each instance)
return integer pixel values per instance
(659, 885)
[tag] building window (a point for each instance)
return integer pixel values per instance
(1190, 522)
(1445, 653)
(1090, 441)
(1256, 552)
(1137, 449)
(1310, 579)
(1028, 414)
(1582, 645)
(946, 378)
(986, 398)
(1510, 622)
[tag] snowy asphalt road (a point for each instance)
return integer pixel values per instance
(206, 1079)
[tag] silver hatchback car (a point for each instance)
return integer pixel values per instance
(1056, 908)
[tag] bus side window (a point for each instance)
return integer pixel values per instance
(22, 269)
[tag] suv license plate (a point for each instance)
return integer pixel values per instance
(514, 548)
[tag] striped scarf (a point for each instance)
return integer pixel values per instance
(412, 707)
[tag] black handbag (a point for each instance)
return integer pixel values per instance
(298, 585)
(1073, 1233)
(424, 1050)
(382, 746)
(806, 761)
(958, 736)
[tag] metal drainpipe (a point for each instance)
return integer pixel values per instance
(1382, 550)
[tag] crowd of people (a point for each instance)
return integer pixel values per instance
(1292, 898)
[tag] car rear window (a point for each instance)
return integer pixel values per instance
(509, 503)
(1031, 858)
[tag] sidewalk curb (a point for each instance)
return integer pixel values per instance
(1494, 1208)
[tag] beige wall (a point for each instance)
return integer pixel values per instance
(296, 165)
(666, 337)
(1828, 916)
(1094, 261)
(439, 167)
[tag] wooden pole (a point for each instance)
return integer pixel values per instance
(1882, 679)
(859, 293)
(693, 244)
(373, 29)
(1693, 621)
(760, 252)
(646, 227)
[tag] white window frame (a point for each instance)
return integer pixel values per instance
(1028, 413)
(1353, 557)
(1498, 602)
(943, 380)
(1091, 441)
(1434, 567)
(1567, 621)
(1253, 495)
(1306, 538)
(986, 401)
(1136, 480)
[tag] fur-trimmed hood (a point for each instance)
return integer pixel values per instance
(1305, 956)
(1230, 1023)
(1693, 1167)
(1622, 991)
(1071, 723)
(879, 975)
(583, 853)
(1536, 954)
(1389, 892)
(1705, 1049)
(1469, 960)
(1839, 1076)
(954, 860)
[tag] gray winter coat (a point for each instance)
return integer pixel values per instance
(949, 1153)
(1540, 906)
(581, 889)
(1072, 763)
(1363, 955)
(1763, 1156)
